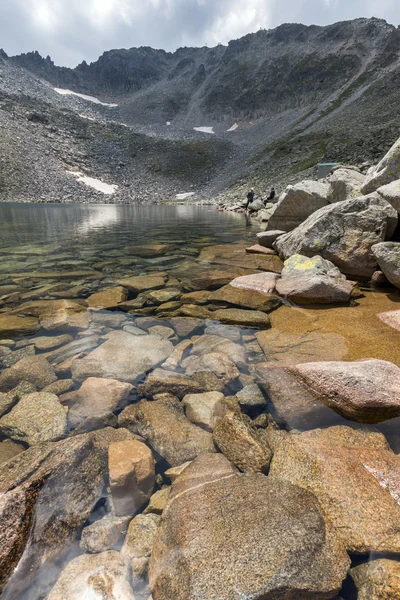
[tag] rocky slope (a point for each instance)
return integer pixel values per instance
(298, 95)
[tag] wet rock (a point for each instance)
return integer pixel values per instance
(139, 544)
(131, 471)
(247, 318)
(391, 318)
(366, 391)
(195, 312)
(35, 370)
(103, 534)
(109, 298)
(297, 203)
(46, 343)
(158, 501)
(246, 297)
(142, 283)
(345, 184)
(104, 575)
(165, 295)
(377, 580)
(251, 396)
(62, 386)
(8, 357)
(37, 418)
(205, 409)
(96, 422)
(40, 527)
(218, 518)
(356, 479)
(200, 297)
(9, 449)
(291, 404)
(96, 397)
(242, 444)
(105, 437)
(386, 171)
(56, 314)
(14, 325)
(343, 233)
(313, 280)
(391, 193)
(198, 277)
(7, 401)
(122, 356)
(293, 348)
(267, 238)
(388, 256)
(164, 426)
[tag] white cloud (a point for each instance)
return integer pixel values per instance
(73, 30)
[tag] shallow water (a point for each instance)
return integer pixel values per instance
(55, 253)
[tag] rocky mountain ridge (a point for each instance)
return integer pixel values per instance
(277, 102)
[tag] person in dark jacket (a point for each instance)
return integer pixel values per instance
(271, 196)
(250, 197)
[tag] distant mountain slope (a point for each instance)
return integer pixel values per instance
(297, 94)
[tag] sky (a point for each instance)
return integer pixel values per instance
(71, 31)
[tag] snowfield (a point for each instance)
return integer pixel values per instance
(83, 96)
(204, 129)
(97, 184)
(233, 128)
(184, 196)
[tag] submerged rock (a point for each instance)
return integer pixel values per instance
(109, 298)
(247, 318)
(366, 391)
(205, 409)
(104, 575)
(274, 534)
(138, 545)
(103, 534)
(33, 369)
(377, 580)
(356, 479)
(123, 356)
(14, 325)
(166, 429)
(343, 233)
(388, 256)
(142, 283)
(9, 449)
(131, 472)
(391, 318)
(246, 297)
(37, 418)
(313, 280)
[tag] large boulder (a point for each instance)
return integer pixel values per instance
(104, 575)
(313, 281)
(388, 256)
(366, 391)
(225, 535)
(132, 476)
(32, 369)
(343, 233)
(38, 417)
(377, 579)
(345, 184)
(386, 171)
(47, 494)
(96, 397)
(162, 423)
(391, 193)
(267, 238)
(356, 479)
(297, 203)
(123, 356)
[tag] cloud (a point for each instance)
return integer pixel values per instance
(73, 30)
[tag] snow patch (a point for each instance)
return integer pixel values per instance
(184, 196)
(168, 123)
(86, 117)
(96, 184)
(204, 129)
(83, 96)
(233, 128)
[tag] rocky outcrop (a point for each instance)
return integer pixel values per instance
(123, 356)
(355, 477)
(162, 423)
(366, 391)
(377, 580)
(388, 256)
(216, 518)
(313, 281)
(104, 575)
(386, 171)
(345, 184)
(37, 418)
(391, 193)
(297, 203)
(343, 233)
(131, 472)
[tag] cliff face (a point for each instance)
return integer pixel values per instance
(298, 94)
